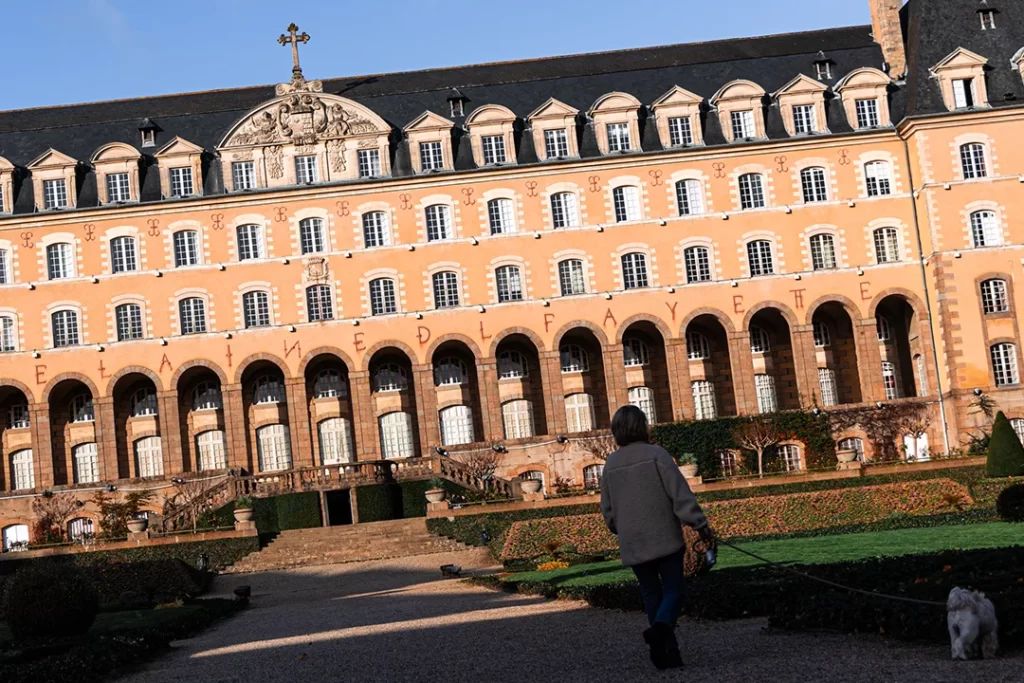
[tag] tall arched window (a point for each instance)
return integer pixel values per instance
(822, 336)
(790, 456)
(319, 303)
(65, 328)
(335, 435)
(449, 371)
(396, 435)
(274, 448)
(267, 389)
(210, 451)
(889, 380)
(60, 261)
(512, 365)
(579, 413)
(823, 252)
(144, 402)
(574, 359)
(509, 282)
(972, 160)
(564, 211)
(81, 528)
(149, 458)
(877, 178)
(446, 289)
(206, 396)
(643, 398)
(697, 347)
(390, 377)
(517, 417)
(812, 182)
(456, 425)
(751, 191)
(703, 400)
(571, 277)
(18, 416)
(256, 309)
(592, 477)
(6, 276)
(8, 334)
(985, 230)
(767, 401)
(634, 270)
(80, 408)
(854, 444)
(129, 321)
(192, 315)
(439, 224)
(689, 197)
(759, 256)
(382, 296)
(311, 235)
(123, 257)
(759, 340)
(250, 242)
(827, 385)
(186, 248)
(887, 245)
(1004, 364)
(883, 328)
(23, 472)
(993, 296)
(501, 216)
(376, 229)
(87, 464)
(635, 353)
(626, 202)
(698, 264)
(328, 384)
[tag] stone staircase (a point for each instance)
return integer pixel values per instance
(355, 543)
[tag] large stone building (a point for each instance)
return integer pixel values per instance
(372, 267)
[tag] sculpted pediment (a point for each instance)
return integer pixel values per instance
(51, 158)
(801, 84)
(551, 109)
(677, 95)
(960, 57)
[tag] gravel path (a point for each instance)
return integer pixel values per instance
(394, 620)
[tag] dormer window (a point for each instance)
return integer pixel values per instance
(823, 70)
(805, 120)
(867, 113)
(118, 187)
(740, 108)
(306, 171)
(181, 170)
(961, 79)
(618, 137)
(742, 125)
(148, 137)
(431, 158)
(963, 93)
(616, 125)
(55, 194)
(677, 117)
(494, 149)
(181, 182)
(369, 163)
(117, 173)
(556, 144)
(988, 19)
(53, 177)
(243, 175)
(554, 130)
(680, 132)
(864, 93)
(456, 107)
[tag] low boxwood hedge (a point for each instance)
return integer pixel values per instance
(274, 514)
(397, 500)
(470, 529)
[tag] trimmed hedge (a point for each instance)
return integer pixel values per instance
(1005, 452)
(50, 601)
(1010, 504)
(469, 529)
(405, 500)
(274, 514)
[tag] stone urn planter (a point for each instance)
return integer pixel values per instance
(244, 514)
(137, 526)
(435, 495)
(846, 456)
(689, 471)
(531, 485)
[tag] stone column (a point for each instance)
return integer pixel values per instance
(364, 426)
(869, 360)
(170, 433)
(554, 394)
(742, 364)
(678, 366)
(490, 399)
(614, 378)
(42, 445)
(235, 425)
(105, 433)
(298, 422)
(805, 365)
(426, 407)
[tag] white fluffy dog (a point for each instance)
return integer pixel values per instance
(972, 625)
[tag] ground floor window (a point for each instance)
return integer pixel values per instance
(517, 416)
(592, 476)
(728, 463)
(149, 457)
(704, 400)
(335, 441)
(790, 455)
(15, 537)
(533, 475)
(854, 444)
(766, 400)
(1018, 426)
(579, 413)
(81, 529)
(274, 448)
(23, 474)
(87, 463)
(396, 435)
(643, 398)
(916, 447)
(210, 452)
(456, 425)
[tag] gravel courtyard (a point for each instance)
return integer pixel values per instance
(395, 620)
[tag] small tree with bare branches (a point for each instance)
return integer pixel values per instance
(480, 464)
(599, 447)
(52, 513)
(757, 434)
(192, 496)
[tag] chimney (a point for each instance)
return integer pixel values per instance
(885, 26)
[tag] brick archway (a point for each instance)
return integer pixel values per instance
(23, 388)
(325, 351)
(538, 343)
(452, 336)
(724, 320)
(602, 338)
(134, 370)
(851, 308)
(198, 363)
(785, 311)
(662, 327)
(65, 376)
(389, 343)
(257, 357)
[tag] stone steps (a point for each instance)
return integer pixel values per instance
(336, 545)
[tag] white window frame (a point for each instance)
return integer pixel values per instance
(697, 263)
(867, 113)
(243, 175)
(149, 458)
(618, 138)
(564, 210)
(319, 303)
(972, 160)
(60, 261)
(493, 147)
(572, 277)
(85, 457)
(249, 238)
(23, 471)
(742, 125)
(8, 334)
(6, 274)
(789, 454)
(312, 239)
(805, 119)
(890, 381)
(517, 418)
(206, 396)
(307, 171)
(1004, 364)
(396, 437)
(512, 365)
(878, 178)
(181, 181)
(438, 222)
(689, 197)
(274, 448)
(634, 270)
(643, 398)
(118, 187)
(752, 196)
(626, 203)
(449, 372)
(680, 131)
(508, 283)
(431, 156)
(383, 299)
(985, 229)
(501, 216)
(445, 285)
(827, 385)
(210, 451)
(592, 477)
(767, 398)
(823, 251)
(456, 425)
(123, 255)
(822, 335)
(579, 413)
(704, 404)
(65, 328)
(994, 297)
(368, 161)
(760, 257)
(635, 353)
(335, 437)
(697, 347)
(329, 384)
(267, 390)
(573, 358)
(376, 229)
(185, 244)
(556, 143)
(390, 377)
(55, 194)
(963, 93)
(256, 308)
(192, 315)
(760, 341)
(887, 244)
(814, 184)
(128, 321)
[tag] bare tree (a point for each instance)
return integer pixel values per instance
(481, 464)
(192, 495)
(757, 434)
(52, 514)
(599, 447)
(885, 425)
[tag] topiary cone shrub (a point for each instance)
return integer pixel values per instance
(1005, 452)
(50, 602)
(1010, 504)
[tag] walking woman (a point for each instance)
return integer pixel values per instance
(645, 501)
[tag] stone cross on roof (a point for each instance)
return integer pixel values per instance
(293, 37)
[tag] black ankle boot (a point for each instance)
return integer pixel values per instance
(656, 638)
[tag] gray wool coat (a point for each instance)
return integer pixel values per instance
(645, 501)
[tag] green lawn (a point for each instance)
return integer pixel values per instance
(823, 549)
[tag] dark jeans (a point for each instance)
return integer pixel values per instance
(661, 586)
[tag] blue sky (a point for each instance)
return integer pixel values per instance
(132, 48)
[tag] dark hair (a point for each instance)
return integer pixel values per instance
(629, 426)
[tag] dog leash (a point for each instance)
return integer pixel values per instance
(833, 584)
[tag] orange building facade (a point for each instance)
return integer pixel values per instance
(307, 278)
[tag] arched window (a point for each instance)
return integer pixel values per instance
(579, 413)
(446, 289)
(643, 398)
(1018, 426)
(564, 211)
(823, 252)
(985, 229)
(760, 342)
(123, 257)
(250, 242)
(449, 371)
(396, 435)
(822, 336)
(382, 296)
(728, 463)
(635, 353)
(87, 463)
(319, 304)
(23, 473)
(571, 277)
(501, 216)
(390, 377)
(509, 283)
(993, 296)
(887, 245)
(517, 417)
(767, 401)
(65, 328)
(335, 434)
(149, 458)
(439, 224)
(81, 529)
(192, 315)
(129, 321)
(877, 178)
(883, 328)
(186, 248)
(456, 425)
(533, 475)
(889, 380)
(206, 396)
(703, 400)
(751, 191)
(144, 402)
(697, 347)
(256, 309)
(698, 264)
(6, 276)
(60, 261)
(328, 384)
(626, 202)
(1004, 364)
(759, 256)
(812, 182)
(311, 235)
(512, 365)
(267, 389)
(274, 448)
(210, 451)
(8, 334)
(790, 456)
(376, 229)
(827, 385)
(634, 270)
(972, 160)
(592, 476)
(689, 197)
(854, 444)
(574, 359)
(15, 538)
(18, 416)
(80, 409)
